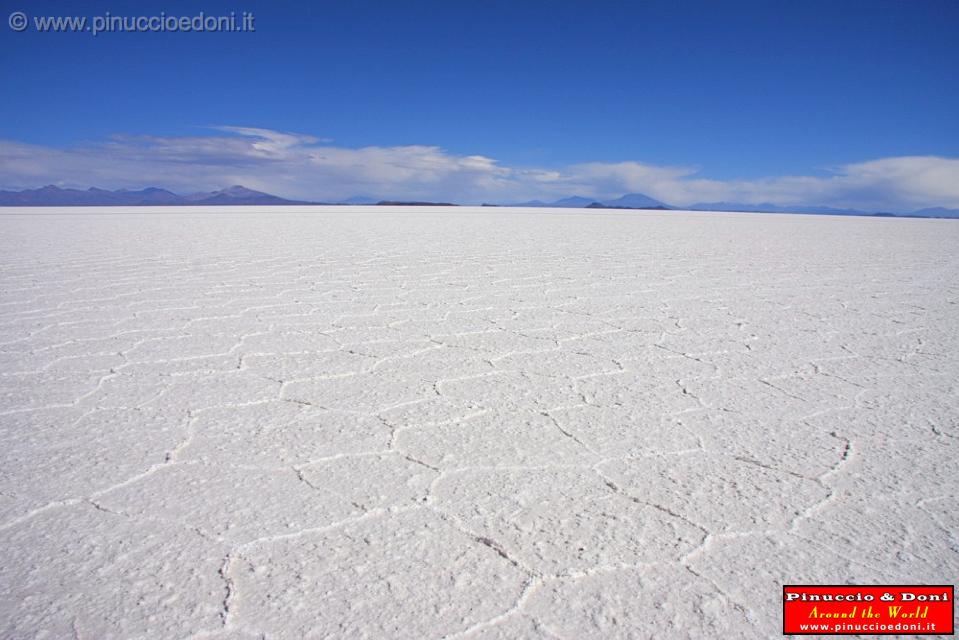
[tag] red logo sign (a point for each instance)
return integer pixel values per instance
(900, 609)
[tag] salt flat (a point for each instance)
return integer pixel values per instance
(468, 423)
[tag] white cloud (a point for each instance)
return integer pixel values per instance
(289, 164)
(303, 166)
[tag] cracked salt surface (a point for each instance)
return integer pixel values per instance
(464, 423)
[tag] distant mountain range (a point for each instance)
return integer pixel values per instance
(641, 201)
(629, 201)
(52, 196)
(938, 212)
(767, 207)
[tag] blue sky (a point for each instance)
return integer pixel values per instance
(777, 101)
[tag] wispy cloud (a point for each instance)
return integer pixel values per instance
(303, 166)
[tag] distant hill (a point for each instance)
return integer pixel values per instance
(51, 196)
(937, 212)
(600, 205)
(413, 203)
(766, 207)
(360, 200)
(573, 202)
(628, 201)
(238, 195)
(642, 201)
(636, 201)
